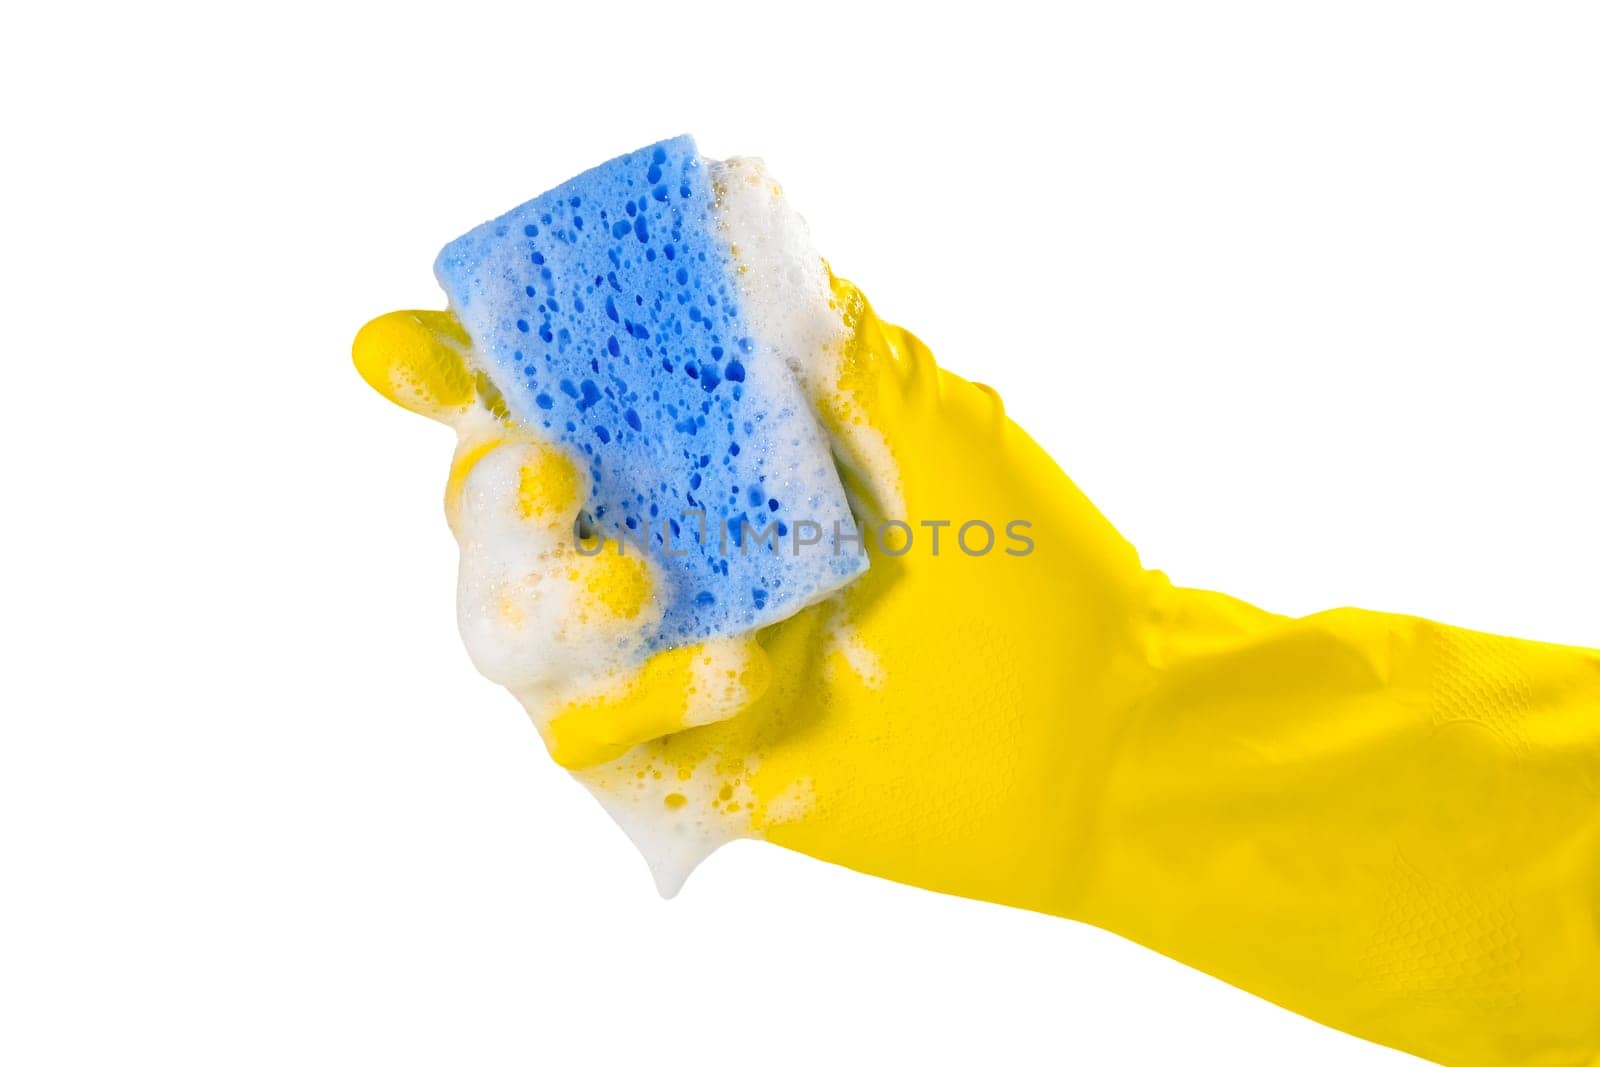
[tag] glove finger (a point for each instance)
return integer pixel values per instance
(557, 617)
(418, 359)
(597, 720)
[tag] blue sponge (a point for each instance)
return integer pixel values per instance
(608, 314)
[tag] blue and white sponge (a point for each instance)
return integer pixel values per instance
(610, 315)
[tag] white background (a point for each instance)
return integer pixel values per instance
(1305, 300)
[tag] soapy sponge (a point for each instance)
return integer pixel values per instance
(609, 315)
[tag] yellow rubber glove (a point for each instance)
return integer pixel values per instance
(1386, 824)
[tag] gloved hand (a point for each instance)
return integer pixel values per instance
(1386, 824)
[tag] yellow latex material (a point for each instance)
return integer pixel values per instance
(1386, 824)
(415, 359)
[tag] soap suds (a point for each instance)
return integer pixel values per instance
(784, 286)
(844, 641)
(521, 606)
(722, 680)
(677, 816)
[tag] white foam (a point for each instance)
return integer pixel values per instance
(520, 605)
(843, 638)
(785, 294)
